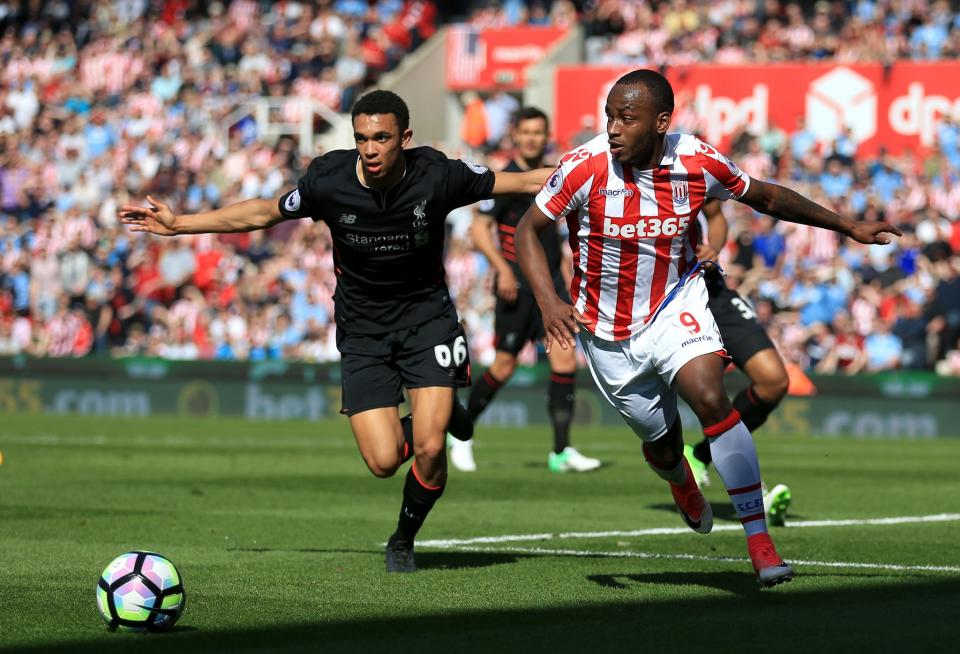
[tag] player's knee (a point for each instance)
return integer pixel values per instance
(713, 405)
(382, 468)
(430, 450)
(772, 390)
(503, 367)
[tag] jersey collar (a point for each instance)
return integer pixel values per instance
(358, 165)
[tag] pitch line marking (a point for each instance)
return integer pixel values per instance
(670, 531)
(695, 557)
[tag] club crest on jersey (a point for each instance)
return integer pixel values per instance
(681, 191)
(420, 215)
(292, 203)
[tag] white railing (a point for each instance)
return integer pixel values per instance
(272, 120)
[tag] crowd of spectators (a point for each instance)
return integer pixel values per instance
(103, 102)
(678, 32)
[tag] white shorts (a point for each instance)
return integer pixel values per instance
(635, 374)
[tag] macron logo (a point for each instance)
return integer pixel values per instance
(616, 192)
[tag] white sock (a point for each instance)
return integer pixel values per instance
(735, 459)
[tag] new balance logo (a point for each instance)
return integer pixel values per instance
(348, 218)
(646, 227)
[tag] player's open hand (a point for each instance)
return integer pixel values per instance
(507, 285)
(873, 232)
(705, 252)
(561, 322)
(155, 219)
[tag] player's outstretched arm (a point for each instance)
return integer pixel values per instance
(525, 183)
(560, 320)
(786, 204)
(159, 219)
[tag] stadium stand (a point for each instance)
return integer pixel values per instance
(102, 102)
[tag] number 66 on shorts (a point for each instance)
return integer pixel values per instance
(455, 353)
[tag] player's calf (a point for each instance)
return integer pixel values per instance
(753, 408)
(460, 425)
(665, 457)
(735, 458)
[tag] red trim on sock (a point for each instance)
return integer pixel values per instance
(745, 489)
(752, 518)
(492, 381)
(723, 426)
(657, 464)
(406, 450)
(420, 481)
(751, 396)
(562, 377)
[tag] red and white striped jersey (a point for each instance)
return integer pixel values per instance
(634, 233)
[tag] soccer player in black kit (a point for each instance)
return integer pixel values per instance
(385, 205)
(518, 319)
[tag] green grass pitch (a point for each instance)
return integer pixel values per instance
(278, 528)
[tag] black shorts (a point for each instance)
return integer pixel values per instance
(742, 335)
(375, 368)
(516, 323)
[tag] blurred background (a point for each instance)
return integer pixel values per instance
(854, 104)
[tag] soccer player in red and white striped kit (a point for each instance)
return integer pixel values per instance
(639, 302)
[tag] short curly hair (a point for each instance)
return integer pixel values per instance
(383, 102)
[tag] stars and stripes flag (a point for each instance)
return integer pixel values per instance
(466, 55)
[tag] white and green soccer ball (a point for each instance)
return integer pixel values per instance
(141, 591)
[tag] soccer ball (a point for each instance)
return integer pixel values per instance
(140, 591)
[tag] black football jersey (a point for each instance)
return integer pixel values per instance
(507, 211)
(388, 245)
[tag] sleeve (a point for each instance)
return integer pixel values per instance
(568, 188)
(304, 201)
(724, 180)
(467, 183)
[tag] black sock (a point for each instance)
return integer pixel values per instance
(406, 422)
(417, 502)
(702, 451)
(481, 393)
(753, 410)
(560, 396)
(461, 423)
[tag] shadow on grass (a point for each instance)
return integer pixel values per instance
(872, 617)
(721, 510)
(430, 560)
(731, 582)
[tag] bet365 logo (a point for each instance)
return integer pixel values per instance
(646, 227)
